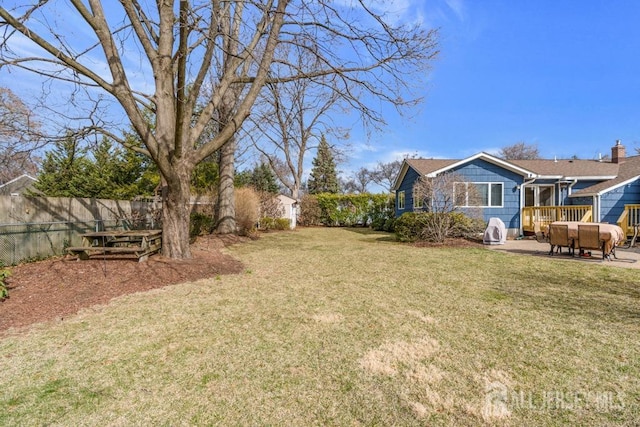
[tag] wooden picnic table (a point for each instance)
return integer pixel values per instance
(140, 243)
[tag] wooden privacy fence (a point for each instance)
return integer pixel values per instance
(39, 227)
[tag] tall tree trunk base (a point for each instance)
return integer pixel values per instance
(226, 225)
(176, 214)
(226, 212)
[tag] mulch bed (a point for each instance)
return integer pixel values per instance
(59, 287)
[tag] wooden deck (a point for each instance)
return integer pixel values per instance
(545, 215)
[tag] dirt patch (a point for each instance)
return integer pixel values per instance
(59, 287)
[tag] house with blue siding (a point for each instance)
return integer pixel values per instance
(525, 192)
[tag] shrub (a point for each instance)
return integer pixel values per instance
(4, 292)
(347, 210)
(268, 223)
(409, 226)
(381, 211)
(389, 225)
(435, 226)
(247, 210)
(309, 211)
(466, 226)
(269, 205)
(200, 223)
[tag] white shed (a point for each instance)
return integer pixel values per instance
(289, 208)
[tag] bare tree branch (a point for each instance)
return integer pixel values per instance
(183, 64)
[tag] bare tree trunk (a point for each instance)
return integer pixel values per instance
(226, 206)
(295, 191)
(175, 215)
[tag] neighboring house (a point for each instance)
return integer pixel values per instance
(521, 192)
(17, 186)
(289, 208)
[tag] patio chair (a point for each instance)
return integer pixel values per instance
(589, 238)
(559, 238)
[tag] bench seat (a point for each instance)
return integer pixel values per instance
(84, 252)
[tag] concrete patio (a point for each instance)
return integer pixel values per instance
(626, 258)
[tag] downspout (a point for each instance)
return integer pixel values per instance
(521, 186)
(596, 208)
(558, 197)
(569, 189)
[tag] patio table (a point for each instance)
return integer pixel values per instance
(610, 234)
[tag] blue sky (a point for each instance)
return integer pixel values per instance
(561, 74)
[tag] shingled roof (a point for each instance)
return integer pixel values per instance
(17, 185)
(628, 171)
(611, 174)
(570, 168)
(540, 168)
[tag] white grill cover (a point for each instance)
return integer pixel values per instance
(496, 232)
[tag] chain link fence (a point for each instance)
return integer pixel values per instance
(33, 241)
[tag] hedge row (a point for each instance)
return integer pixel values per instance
(347, 210)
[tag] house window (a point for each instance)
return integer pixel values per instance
(400, 199)
(539, 195)
(479, 194)
(418, 203)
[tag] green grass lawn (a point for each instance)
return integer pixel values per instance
(344, 327)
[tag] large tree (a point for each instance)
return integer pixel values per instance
(196, 53)
(19, 137)
(358, 181)
(520, 151)
(385, 174)
(289, 118)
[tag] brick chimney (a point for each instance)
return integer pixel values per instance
(617, 152)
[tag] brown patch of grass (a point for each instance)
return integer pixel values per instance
(328, 318)
(387, 358)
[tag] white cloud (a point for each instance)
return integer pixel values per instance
(395, 12)
(458, 8)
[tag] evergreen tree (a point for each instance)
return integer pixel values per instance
(206, 176)
(324, 177)
(242, 178)
(110, 173)
(63, 172)
(263, 179)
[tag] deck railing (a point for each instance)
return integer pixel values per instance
(545, 215)
(629, 218)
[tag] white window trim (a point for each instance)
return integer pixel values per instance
(536, 193)
(404, 200)
(417, 198)
(489, 184)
